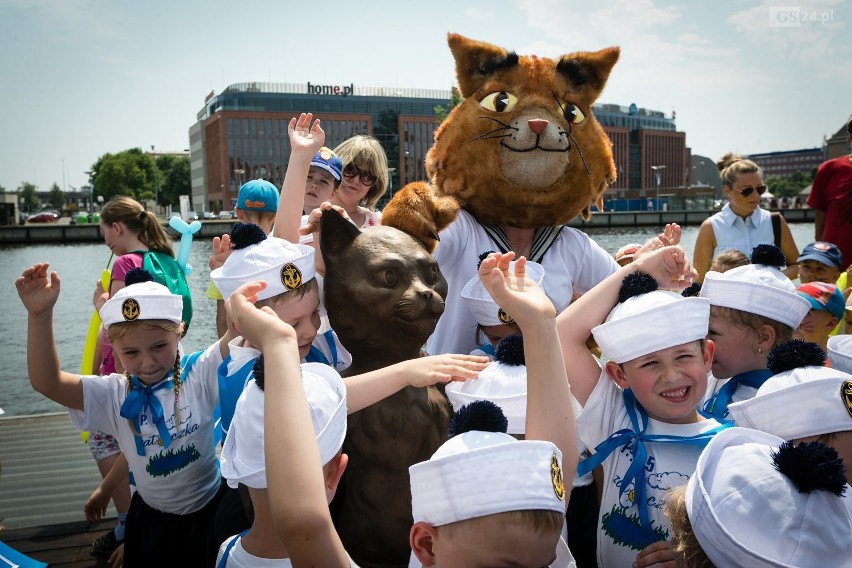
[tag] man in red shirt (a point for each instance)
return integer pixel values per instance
(831, 198)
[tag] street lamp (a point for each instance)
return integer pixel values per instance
(658, 174)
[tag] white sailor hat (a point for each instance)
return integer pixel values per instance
(242, 459)
(840, 351)
(748, 509)
(483, 307)
(651, 322)
(503, 384)
(757, 289)
(802, 402)
(477, 473)
(284, 266)
(142, 301)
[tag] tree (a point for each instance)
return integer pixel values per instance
(130, 173)
(27, 191)
(172, 178)
(442, 111)
(57, 197)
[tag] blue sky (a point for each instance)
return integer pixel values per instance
(84, 77)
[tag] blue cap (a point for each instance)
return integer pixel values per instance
(328, 160)
(820, 251)
(258, 195)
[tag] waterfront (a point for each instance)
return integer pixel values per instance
(79, 266)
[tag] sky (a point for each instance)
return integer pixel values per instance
(80, 78)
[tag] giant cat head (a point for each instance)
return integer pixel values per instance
(523, 148)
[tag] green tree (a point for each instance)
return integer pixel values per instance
(27, 191)
(57, 197)
(130, 173)
(442, 111)
(172, 178)
(386, 132)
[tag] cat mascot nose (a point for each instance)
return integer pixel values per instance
(537, 125)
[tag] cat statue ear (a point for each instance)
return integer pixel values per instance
(336, 233)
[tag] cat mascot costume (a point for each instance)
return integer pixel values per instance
(520, 156)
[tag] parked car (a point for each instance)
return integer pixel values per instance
(43, 217)
(208, 215)
(226, 214)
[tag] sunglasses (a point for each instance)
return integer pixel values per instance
(747, 190)
(366, 178)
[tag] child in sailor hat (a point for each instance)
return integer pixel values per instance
(803, 401)
(639, 410)
(752, 309)
(756, 501)
(160, 411)
(492, 323)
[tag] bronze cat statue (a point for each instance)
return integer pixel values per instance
(384, 294)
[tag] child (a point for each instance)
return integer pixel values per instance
(821, 397)
(820, 262)
(827, 306)
(126, 228)
(257, 202)
(323, 179)
(365, 179)
(492, 323)
(755, 500)
(302, 516)
(726, 260)
(752, 309)
(159, 412)
(639, 411)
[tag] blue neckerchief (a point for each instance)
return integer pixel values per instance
(223, 562)
(717, 405)
(635, 438)
(231, 386)
(316, 356)
(142, 397)
(488, 349)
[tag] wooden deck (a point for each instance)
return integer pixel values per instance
(47, 474)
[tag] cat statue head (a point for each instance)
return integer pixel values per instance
(383, 292)
(523, 148)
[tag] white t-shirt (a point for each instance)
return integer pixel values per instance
(574, 261)
(182, 478)
(239, 558)
(668, 465)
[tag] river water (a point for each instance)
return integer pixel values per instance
(80, 265)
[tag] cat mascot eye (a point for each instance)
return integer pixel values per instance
(391, 278)
(499, 102)
(573, 114)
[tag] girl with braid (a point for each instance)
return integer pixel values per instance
(159, 409)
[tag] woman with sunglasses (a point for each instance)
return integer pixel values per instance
(741, 224)
(364, 180)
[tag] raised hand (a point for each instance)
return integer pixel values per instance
(221, 251)
(37, 290)
(258, 326)
(313, 223)
(306, 135)
(517, 294)
(669, 266)
(669, 237)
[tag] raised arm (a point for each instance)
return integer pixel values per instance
(369, 388)
(38, 292)
(293, 470)
(306, 139)
(549, 414)
(668, 265)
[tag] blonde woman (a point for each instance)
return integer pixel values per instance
(364, 180)
(741, 224)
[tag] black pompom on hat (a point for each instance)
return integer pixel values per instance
(510, 350)
(245, 235)
(636, 284)
(768, 255)
(481, 416)
(794, 354)
(811, 466)
(137, 275)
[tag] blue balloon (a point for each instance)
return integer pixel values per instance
(186, 231)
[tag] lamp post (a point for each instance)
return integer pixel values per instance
(91, 191)
(239, 173)
(658, 174)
